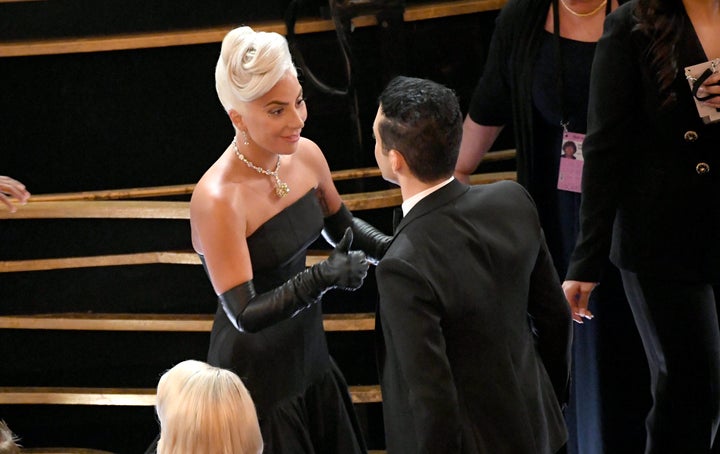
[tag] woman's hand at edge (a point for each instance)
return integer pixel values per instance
(577, 294)
(13, 188)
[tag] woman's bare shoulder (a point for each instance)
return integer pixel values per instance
(216, 191)
(310, 154)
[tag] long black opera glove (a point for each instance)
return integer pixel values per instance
(367, 238)
(250, 312)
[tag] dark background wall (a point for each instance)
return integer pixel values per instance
(150, 117)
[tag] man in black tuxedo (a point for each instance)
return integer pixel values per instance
(475, 331)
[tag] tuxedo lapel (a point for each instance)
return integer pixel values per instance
(437, 199)
(397, 217)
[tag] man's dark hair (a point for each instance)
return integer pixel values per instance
(423, 122)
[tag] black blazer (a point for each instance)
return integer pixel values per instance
(475, 326)
(640, 176)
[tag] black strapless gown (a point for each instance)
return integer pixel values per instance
(301, 396)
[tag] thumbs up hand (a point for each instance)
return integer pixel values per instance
(344, 268)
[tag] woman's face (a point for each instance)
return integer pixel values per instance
(274, 121)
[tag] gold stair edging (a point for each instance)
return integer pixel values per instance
(133, 397)
(363, 321)
(216, 34)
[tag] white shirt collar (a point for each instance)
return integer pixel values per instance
(408, 204)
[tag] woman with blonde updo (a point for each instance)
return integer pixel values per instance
(253, 215)
(205, 409)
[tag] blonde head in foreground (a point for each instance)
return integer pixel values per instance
(205, 409)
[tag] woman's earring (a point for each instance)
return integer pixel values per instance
(245, 138)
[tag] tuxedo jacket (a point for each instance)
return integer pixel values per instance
(474, 329)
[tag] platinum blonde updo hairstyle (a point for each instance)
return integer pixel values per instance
(250, 64)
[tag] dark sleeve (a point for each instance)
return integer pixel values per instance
(491, 101)
(548, 310)
(614, 121)
(365, 236)
(552, 322)
(411, 328)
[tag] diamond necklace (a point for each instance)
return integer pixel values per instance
(591, 13)
(281, 188)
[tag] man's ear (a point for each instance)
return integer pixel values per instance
(237, 119)
(397, 160)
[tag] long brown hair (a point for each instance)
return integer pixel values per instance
(663, 22)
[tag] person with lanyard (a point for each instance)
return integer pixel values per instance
(536, 78)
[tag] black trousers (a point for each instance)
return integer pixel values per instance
(678, 325)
